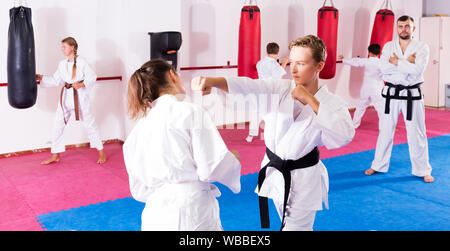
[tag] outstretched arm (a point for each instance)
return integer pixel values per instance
(241, 85)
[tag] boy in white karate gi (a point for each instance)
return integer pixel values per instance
(302, 117)
(403, 63)
(372, 84)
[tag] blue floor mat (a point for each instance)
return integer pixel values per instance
(384, 202)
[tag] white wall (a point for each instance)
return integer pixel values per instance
(432, 7)
(113, 37)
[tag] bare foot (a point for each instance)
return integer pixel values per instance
(102, 157)
(428, 179)
(53, 159)
(370, 172)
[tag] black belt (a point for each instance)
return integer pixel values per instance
(409, 98)
(285, 167)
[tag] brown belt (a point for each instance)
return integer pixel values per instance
(75, 100)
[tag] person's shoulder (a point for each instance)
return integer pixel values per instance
(81, 60)
(374, 60)
(260, 62)
(422, 44)
(189, 115)
(133, 135)
(389, 44)
(264, 60)
(186, 109)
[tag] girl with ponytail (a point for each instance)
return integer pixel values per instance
(173, 154)
(76, 78)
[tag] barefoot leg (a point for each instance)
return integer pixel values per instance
(102, 157)
(428, 179)
(370, 172)
(54, 159)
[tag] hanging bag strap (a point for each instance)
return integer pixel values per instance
(23, 3)
(323, 10)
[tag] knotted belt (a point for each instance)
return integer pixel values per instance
(409, 98)
(285, 167)
(75, 100)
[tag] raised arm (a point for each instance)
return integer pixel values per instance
(51, 81)
(241, 85)
(355, 62)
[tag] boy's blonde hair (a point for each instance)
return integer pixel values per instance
(317, 46)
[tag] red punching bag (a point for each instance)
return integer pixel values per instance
(249, 41)
(383, 28)
(328, 20)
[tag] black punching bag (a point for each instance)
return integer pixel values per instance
(22, 86)
(165, 45)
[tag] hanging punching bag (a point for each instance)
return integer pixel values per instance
(21, 65)
(383, 28)
(166, 45)
(249, 42)
(328, 20)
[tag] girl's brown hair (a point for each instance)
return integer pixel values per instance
(72, 42)
(146, 85)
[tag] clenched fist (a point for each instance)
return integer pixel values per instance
(394, 59)
(78, 85)
(199, 84)
(412, 58)
(301, 94)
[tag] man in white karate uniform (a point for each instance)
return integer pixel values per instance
(268, 68)
(372, 84)
(301, 117)
(403, 63)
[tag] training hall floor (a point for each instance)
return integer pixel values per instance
(77, 194)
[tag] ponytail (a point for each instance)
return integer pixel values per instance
(74, 68)
(146, 85)
(72, 42)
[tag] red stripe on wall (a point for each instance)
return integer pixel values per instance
(98, 79)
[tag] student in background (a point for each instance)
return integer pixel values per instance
(372, 84)
(268, 68)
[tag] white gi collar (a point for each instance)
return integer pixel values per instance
(166, 98)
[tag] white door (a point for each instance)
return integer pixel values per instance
(430, 30)
(444, 77)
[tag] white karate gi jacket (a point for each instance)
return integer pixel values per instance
(171, 156)
(292, 139)
(269, 68)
